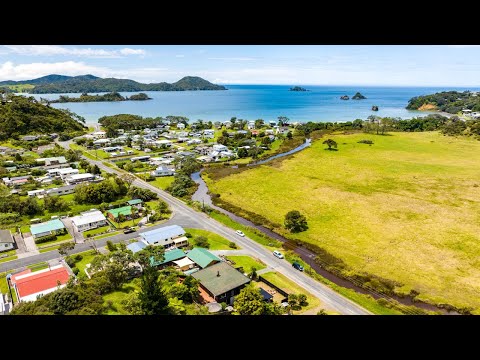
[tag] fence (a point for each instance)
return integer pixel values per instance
(284, 293)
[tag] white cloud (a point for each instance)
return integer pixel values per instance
(180, 56)
(232, 58)
(10, 71)
(128, 51)
(51, 50)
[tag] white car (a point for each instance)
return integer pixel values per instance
(278, 254)
(240, 233)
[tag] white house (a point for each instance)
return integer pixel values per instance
(110, 149)
(88, 220)
(209, 133)
(64, 173)
(64, 190)
(166, 143)
(219, 147)
(101, 142)
(99, 135)
(163, 171)
(181, 126)
(6, 241)
(52, 160)
(38, 193)
(79, 178)
(166, 236)
(56, 171)
(194, 141)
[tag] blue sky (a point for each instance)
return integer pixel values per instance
(419, 65)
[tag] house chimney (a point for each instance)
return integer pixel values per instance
(218, 273)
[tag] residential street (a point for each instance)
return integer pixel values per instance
(185, 216)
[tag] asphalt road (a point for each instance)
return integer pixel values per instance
(185, 216)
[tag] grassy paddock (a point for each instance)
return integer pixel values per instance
(405, 208)
(162, 182)
(216, 242)
(247, 263)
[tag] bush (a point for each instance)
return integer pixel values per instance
(232, 245)
(370, 142)
(78, 258)
(89, 235)
(202, 241)
(70, 261)
(46, 239)
(188, 235)
(75, 270)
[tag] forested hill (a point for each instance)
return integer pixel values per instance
(89, 83)
(449, 101)
(25, 115)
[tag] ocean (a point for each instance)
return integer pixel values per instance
(267, 102)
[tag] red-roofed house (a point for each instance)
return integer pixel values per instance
(29, 285)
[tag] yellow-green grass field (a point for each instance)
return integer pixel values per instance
(247, 262)
(216, 242)
(406, 208)
(162, 182)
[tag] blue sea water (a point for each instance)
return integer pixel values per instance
(321, 103)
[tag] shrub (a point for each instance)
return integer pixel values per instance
(78, 257)
(232, 245)
(111, 246)
(188, 235)
(46, 239)
(75, 270)
(202, 241)
(370, 142)
(70, 261)
(89, 235)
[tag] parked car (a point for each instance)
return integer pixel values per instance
(128, 231)
(240, 233)
(297, 266)
(278, 254)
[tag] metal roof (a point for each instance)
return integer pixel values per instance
(124, 210)
(136, 246)
(202, 257)
(91, 217)
(134, 201)
(220, 278)
(6, 236)
(51, 225)
(170, 255)
(162, 234)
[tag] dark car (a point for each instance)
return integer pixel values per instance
(128, 231)
(297, 266)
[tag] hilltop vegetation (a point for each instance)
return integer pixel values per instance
(88, 83)
(114, 96)
(27, 116)
(448, 101)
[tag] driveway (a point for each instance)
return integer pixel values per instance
(77, 236)
(30, 245)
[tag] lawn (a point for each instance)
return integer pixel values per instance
(87, 259)
(9, 258)
(290, 287)
(117, 297)
(162, 182)
(60, 238)
(95, 231)
(406, 208)
(216, 241)
(107, 235)
(247, 263)
(50, 248)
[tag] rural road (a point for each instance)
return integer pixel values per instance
(185, 216)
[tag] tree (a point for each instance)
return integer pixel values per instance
(128, 179)
(64, 248)
(188, 166)
(330, 143)
(111, 246)
(259, 123)
(289, 135)
(242, 153)
(249, 301)
(283, 121)
(202, 241)
(152, 298)
(253, 273)
(295, 222)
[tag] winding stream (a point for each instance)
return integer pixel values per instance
(202, 195)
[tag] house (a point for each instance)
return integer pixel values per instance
(140, 158)
(114, 214)
(168, 258)
(251, 125)
(55, 172)
(101, 142)
(194, 141)
(99, 135)
(30, 138)
(52, 227)
(11, 168)
(209, 133)
(135, 202)
(58, 160)
(30, 285)
(64, 190)
(39, 193)
(221, 281)
(136, 246)
(79, 178)
(204, 159)
(166, 143)
(68, 172)
(164, 236)
(181, 126)
(16, 180)
(6, 241)
(219, 147)
(88, 220)
(162, 171)
(110, 149)
(202, 257)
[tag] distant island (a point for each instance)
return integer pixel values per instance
(298, 88)
(113, 96)
(448, 101)
(345, 97)
(54, 84)
(358, 96)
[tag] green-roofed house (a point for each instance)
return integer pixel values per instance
(202, 257)
(135, 202)
(169, 257)
(221, 281)
(51, 227)
(126, 211)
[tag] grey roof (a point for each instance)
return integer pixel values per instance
(136, 246)
(6, 237)
(163, 233)
(62, 188)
